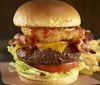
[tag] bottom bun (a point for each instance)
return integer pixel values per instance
(40, 80)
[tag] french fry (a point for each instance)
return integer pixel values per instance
(98, 68)
(98, 55)
(87, 72)
(92, 60)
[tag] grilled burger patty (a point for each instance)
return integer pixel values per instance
(34, 56)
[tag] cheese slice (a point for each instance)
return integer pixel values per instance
(58, 46)
(17, 46)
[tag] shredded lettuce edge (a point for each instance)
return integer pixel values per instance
(20, 66)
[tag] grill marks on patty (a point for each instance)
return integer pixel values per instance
(34, 56)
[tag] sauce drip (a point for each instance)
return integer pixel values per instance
(34, 38)
(33, 32)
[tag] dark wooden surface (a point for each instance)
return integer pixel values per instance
(89, 11)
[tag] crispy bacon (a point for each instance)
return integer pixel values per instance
(83, 42)
(17, 36)
(84, 45)
(89, 36)
(20, 39)
(14, 42)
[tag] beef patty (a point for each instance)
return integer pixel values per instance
(35, 56)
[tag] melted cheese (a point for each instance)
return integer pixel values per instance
(16, 47)
(58, 46)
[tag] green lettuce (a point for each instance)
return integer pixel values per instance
(23, 67)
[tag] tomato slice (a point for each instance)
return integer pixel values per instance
(57, 68)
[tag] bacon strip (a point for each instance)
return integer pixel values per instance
(20, 39)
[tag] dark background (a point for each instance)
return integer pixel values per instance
(89, 11)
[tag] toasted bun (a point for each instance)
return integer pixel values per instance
(46, 13)
(34, 80)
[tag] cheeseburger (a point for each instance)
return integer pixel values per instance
(52, 40)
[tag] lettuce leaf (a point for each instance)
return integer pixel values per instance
(23, 67)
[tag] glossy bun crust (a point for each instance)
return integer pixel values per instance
(46, 13)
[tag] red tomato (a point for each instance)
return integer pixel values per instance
(57, 68)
